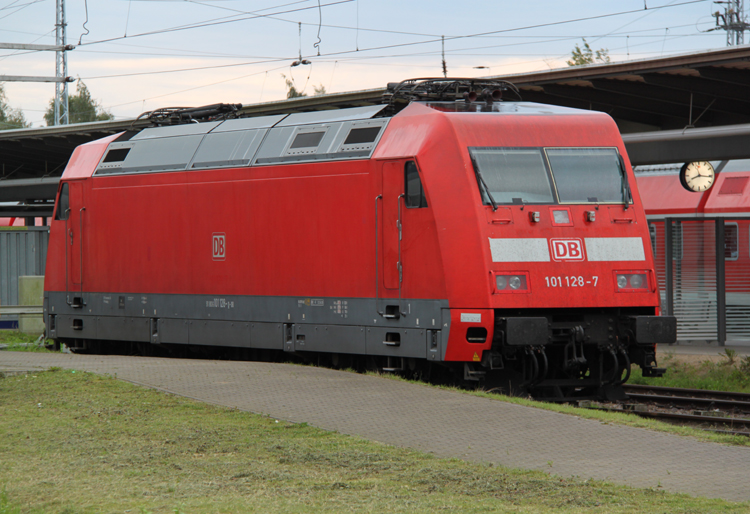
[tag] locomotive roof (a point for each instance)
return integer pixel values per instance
(515, 108)
(342, 134)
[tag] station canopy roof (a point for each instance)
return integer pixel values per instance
(668, 109)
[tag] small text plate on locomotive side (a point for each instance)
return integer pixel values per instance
(471, 317)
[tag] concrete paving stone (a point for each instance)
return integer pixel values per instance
(444, 423)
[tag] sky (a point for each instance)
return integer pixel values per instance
(139, 55)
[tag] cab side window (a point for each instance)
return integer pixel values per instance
(415, 197)
(63, 204)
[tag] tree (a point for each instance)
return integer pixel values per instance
(581, 56)
(293, 92)
(10, 118)
(81, 108)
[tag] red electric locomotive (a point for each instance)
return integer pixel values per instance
(501, 239)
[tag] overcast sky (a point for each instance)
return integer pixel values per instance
(138, 55)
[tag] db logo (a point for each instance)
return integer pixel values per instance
(219, 246)
(567, 249)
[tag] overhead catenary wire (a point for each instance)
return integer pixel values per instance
(268, 60)
(13, 5)
(197, 87)
(426, 65)
(515, 29)
(355, 28)
(86, 4)
(672, 4)
(363, 55)
(537, 40)
(493, 34)
(208, 24)
(20, 8)
(539, 25)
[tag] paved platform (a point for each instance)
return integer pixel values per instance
(445, 423)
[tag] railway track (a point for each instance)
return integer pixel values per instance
(631, 389)
(702, 400)
(715, 411)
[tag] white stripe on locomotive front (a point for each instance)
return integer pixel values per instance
(598, 249)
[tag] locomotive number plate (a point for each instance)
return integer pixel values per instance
(571, 281)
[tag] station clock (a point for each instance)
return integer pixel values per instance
(697, 176)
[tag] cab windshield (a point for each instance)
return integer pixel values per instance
(550, 175)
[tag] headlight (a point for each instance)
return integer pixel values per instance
(511, 283)
(632, 282)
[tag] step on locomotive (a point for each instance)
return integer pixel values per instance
(447, 228)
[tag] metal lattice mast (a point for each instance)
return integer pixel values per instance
(732, 20)
(61, 67)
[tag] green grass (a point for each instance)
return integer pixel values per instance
(732, 373)
(20, 342)
(82, 443)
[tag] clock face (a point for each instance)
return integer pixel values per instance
(697, 176)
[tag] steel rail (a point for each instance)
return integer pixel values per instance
(691, 400)
(679, 391)
(694, 418)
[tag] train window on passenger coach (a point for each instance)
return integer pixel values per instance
(415, 197)
(63, 204)
(512, 175)
(587, 175)
(731, 241)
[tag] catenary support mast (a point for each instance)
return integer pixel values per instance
(61, 67)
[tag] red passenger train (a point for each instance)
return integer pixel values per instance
(700, 294)
(502, 240)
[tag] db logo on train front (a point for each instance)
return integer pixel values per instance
(219, 246)
(567, 250)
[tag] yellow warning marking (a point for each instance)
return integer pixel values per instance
(476, 357)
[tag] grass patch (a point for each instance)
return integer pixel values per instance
(20, 342)
(77, 442)
(731, 373)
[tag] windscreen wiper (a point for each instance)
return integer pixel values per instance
(626, 194)
(484, 185)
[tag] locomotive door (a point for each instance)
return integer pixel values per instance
(390, 263)
(393, 188)
(74, 239)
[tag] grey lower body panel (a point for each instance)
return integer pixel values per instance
(332, 325)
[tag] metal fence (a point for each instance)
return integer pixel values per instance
(23, 251)
(703, 270)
